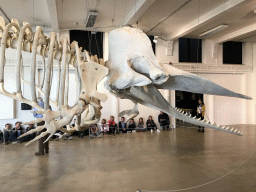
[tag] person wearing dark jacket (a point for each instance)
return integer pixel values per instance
(122, 126)
(132, 125)
(151, 124)
(31, 136)
(17, 131)
(164, 120)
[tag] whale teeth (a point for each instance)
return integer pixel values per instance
(176, 108)
(231, 129)
(199, 119)
(194, 117)
(183, 112)
(223, 127)
(186, 113)
(218, 125)
(239, 132)
(242, 133)
(235, 131)
(227, 128)
(190, 115)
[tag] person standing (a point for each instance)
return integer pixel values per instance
(200, 112)
(164, 120)
(42, 147)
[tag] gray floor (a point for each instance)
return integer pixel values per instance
(128, 162)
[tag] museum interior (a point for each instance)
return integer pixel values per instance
(128, 95)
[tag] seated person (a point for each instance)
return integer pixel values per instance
(78, 133)
(122, 126)
(141, 126)
(17, 131)
(112, 125)
(58, 134)
(164, 120)
(94, 131)
(31, 136)
(6, 133)
(151, 124)
(104, 127)
(132, 125)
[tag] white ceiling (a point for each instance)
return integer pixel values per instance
(169, 19)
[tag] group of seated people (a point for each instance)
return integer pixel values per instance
(111, 126)
(11, 134)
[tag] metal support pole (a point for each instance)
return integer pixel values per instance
(89, 133)
(4, 135)
(173, 136)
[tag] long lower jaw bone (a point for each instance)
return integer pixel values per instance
(151, 97)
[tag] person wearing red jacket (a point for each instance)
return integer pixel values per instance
(112, 125)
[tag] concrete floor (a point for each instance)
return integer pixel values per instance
(128, 162)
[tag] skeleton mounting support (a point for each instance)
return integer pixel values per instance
(132, 73)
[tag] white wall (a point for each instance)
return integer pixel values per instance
(227, 110)
(223, 110)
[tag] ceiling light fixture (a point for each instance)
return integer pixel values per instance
(214, 30)
(90, 21)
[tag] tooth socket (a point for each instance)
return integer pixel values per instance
(208, 122)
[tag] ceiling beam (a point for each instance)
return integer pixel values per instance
(137, 10)
(205, 18)
(52, 9)
(4, 14)
(236, 34)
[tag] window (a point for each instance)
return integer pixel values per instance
(232, 52)
(152, 43)
(190, 50)
(93, 43)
